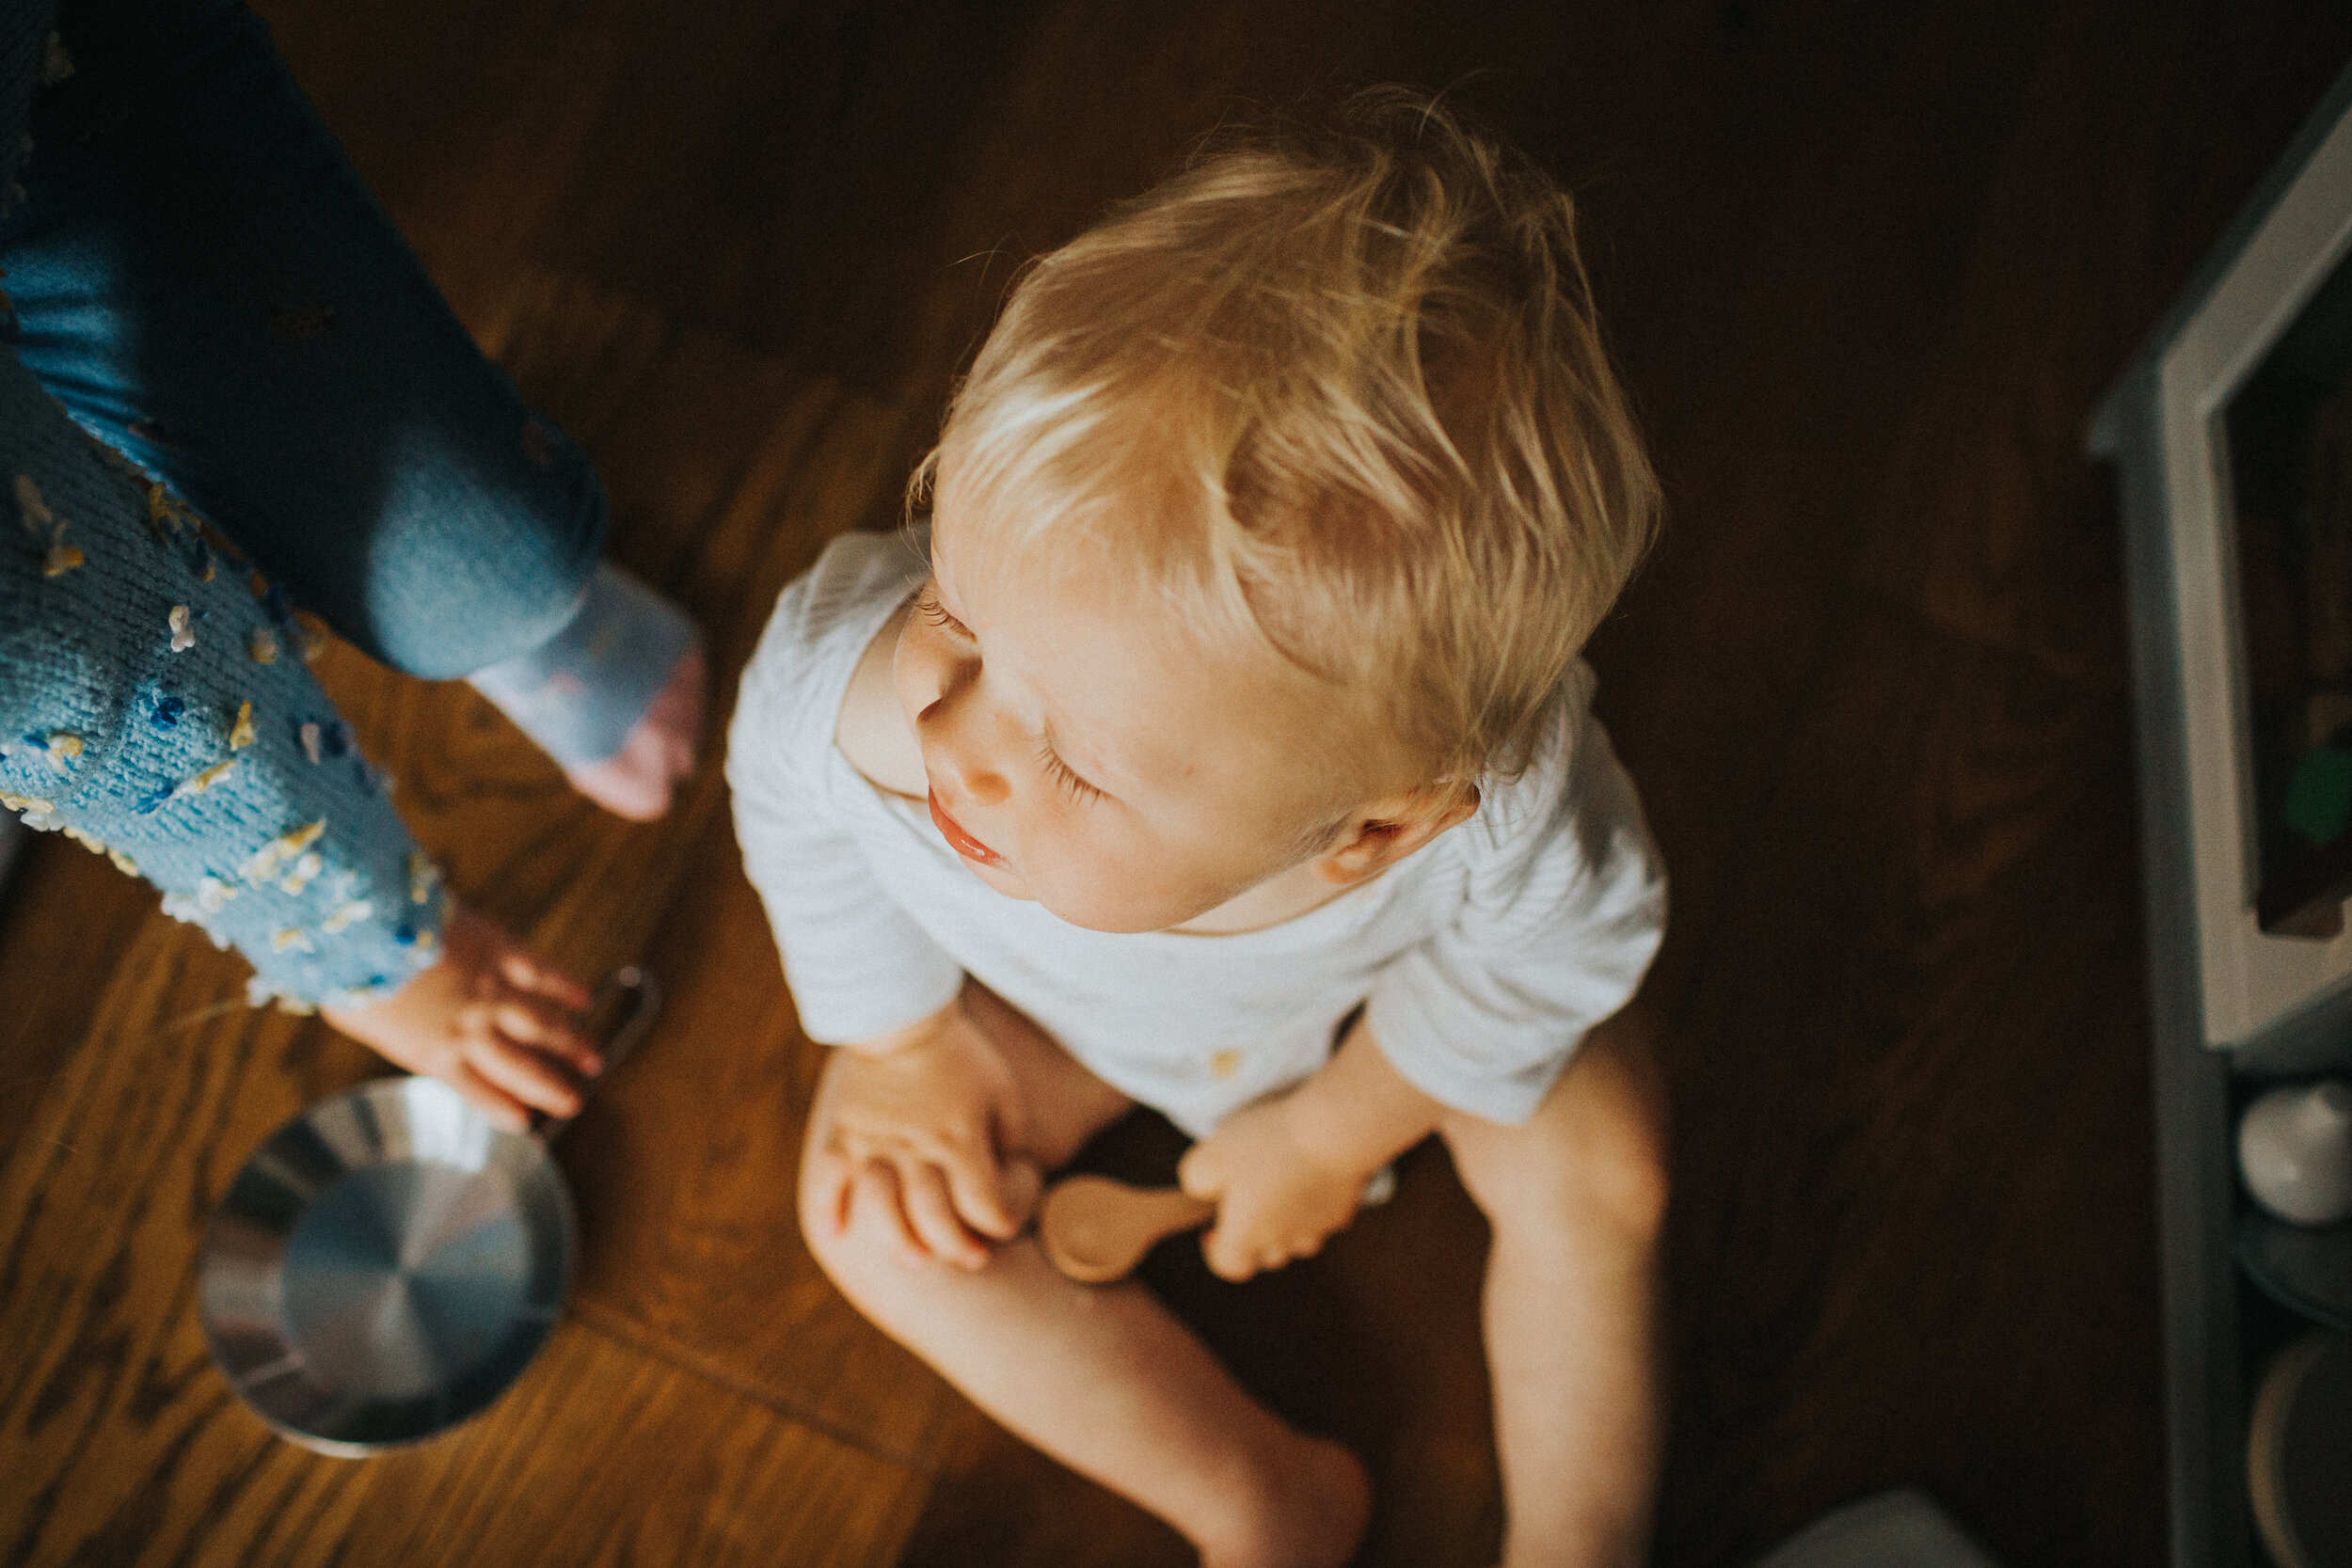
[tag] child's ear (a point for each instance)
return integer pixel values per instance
(1379, 835)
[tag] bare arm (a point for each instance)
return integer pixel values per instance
(1287, 1172)
(1358, 1113)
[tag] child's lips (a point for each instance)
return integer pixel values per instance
(960, 842)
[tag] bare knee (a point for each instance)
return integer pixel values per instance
(1593, 1154)
(843, 1227)
(1619, 1170)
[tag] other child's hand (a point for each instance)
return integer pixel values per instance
(1275, 1199)
(490, 1019)
(923, 1119)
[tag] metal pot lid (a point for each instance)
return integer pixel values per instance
(388, 1261)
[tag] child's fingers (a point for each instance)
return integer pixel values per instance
(1228, 1258)
(526, 970)
(849, 1147)
(829, 1185)
(526, 1075)
(1022, 1183)
(1198, 1174)
(1008, 1124)
(500, 1107)
(924, 1192)
(878, 1185)
(532, 1023)
(974, 1185)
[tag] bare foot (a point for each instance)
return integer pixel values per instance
(636, 781)
(1314, 1514)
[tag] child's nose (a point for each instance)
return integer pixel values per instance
(968, 778)
(953, 729)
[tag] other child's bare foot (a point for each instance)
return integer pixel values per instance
(615, 697)
(636, 782)
(1313, 1514)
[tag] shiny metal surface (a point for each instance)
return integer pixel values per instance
(384, 1266)
(388, 1262)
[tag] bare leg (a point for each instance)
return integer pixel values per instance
(1103, 1379)
(1577, 1201)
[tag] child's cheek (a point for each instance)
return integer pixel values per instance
(1102, 889)
(1049, 871)
(1005, 881)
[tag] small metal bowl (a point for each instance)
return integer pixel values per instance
(388, 1261)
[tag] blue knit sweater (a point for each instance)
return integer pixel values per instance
(154, 703)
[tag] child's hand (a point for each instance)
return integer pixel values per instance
(928, 1112)
(489, 1021)
(1275, 1200)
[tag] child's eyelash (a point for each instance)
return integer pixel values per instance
(927, 605)
(1077, 788)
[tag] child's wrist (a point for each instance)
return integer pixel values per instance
(907, 1035)
(1335, 1124)
(1312, 1127)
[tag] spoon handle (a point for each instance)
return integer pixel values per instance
(1096, 1231)
(1167, 1210)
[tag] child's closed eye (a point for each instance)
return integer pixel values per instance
(1064, 776)
(928, 605)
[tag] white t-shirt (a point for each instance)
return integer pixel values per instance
(1483, 957)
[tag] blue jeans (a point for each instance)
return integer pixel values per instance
(199, 276)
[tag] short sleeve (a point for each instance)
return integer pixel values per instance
(1559, 904)
(858, 964)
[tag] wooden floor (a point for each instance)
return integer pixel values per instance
(1867, 269)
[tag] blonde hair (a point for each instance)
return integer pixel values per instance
(1343, 389)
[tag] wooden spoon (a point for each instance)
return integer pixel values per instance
(1095, 1230)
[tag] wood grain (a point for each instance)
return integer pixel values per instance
(2136, 136)
(727, 470)
(1914, 1169)
(1865, 267)
(65, 905)
(685, 1168)
(120, 1446)
(721, 503)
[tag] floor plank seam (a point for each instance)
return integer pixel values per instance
(619, 1326)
